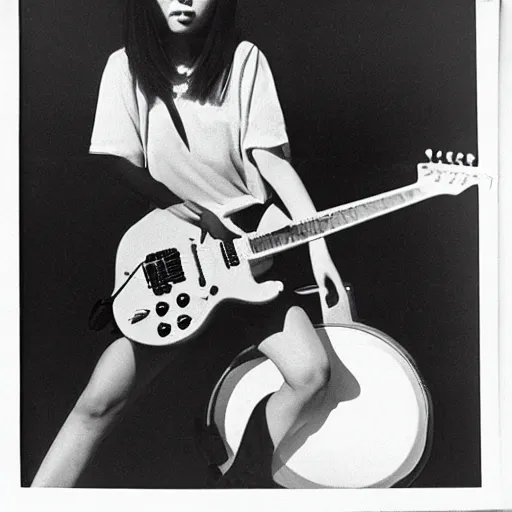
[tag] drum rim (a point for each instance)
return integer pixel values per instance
(253, 352)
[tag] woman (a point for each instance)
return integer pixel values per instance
(190, 116)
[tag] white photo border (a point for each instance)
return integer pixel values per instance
(489, 496)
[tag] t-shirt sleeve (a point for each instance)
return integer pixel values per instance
(116, 128)
(263, 124)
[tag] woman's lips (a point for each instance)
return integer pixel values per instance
(183, 17)
(188, 14)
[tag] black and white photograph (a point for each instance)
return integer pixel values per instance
(258, 250)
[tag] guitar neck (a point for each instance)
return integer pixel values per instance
(333, 220)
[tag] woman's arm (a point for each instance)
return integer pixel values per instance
(283, 178)
(139, 180)
(157, 194)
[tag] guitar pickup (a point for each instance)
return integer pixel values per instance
(229, 254)
(163, 268)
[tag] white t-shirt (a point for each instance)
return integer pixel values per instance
(218, 171)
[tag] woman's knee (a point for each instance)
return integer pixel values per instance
(310, 377)
(310, 369)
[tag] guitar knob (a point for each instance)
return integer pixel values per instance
(184, 321)
(214, 290)
(162, 308)
(164, 330)
(139, 315)
(183, 300)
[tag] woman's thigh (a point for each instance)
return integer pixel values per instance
(122, 372)
(297, 351)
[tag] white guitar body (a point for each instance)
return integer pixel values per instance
(185, 305)
(371, 430)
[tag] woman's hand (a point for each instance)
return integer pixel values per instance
(333, 296)
(210, 223)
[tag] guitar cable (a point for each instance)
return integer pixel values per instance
(102, 313)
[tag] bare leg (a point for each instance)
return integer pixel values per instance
(121, 373)
(301, 358)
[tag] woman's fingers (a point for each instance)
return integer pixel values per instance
(194, 207)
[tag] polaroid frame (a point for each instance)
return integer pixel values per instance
(494, 464)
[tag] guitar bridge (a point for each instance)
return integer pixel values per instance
(162, 269)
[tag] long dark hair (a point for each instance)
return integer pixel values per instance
(145, 37)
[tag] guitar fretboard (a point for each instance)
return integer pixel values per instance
(333, 220)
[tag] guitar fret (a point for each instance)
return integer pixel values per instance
(330, 221)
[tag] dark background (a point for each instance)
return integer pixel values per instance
(365, 87)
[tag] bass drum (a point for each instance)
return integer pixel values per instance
(373, 428)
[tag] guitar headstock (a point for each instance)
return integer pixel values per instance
(451, 173)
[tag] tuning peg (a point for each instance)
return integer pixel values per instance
(449, 157)
(429, 153)
(458, 158)
(470, 159)
(439, 155)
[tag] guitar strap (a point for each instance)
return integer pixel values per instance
(168, 99)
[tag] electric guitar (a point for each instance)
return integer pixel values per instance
(168, 281)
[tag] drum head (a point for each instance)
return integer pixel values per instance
(370, 431)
